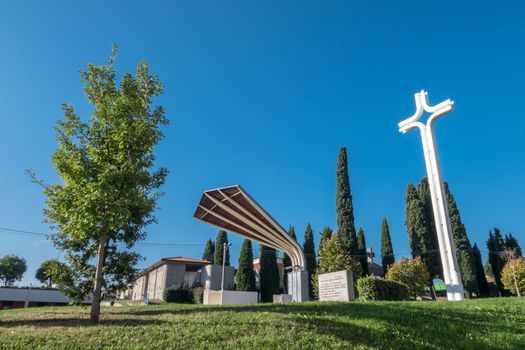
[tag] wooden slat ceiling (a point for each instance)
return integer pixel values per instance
(232, 209)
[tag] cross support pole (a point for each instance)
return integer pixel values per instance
(447, 247)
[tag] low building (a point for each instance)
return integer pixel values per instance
(11, 298)
(163, 274)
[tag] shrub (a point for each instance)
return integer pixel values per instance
(198, 295)
(371, 288)
(178, 294)
(513, 275)
(412, 273)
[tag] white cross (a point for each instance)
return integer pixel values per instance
(447, 248)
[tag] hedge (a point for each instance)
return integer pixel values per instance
(178, 294)
(372, 288)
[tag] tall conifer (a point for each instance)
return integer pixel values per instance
(245, 274)
(268, 274)
(361, 244)
(495, 246)
(344, 206)
(222, 237)
(326, 234)
(512, 243)
(387, 251)
(209, 251)
(466, 259)
(309, 252)
(483, 285)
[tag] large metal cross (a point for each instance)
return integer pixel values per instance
(447, 247)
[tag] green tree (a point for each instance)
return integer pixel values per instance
(411, 272)
(268, 274)
(220, 241)
(108, 192)
(387, 251)
(333, 257)
(325, 234)
(433, 257)
(513, 276)
(43, 273)
(209, 251)
(344, 206)
(418, 231)
(465, 254)
(12, 268)
(74, 279)
(512, 243)
(287, 261)
(495, 246)
(309, 252)
(361, 244)
(483, 286)
(245, 274)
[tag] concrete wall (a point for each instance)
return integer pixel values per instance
(212, 276)
(157, 282)
(16, 297)
(212, 297)
(175, 274)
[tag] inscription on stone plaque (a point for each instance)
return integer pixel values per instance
(336, 286)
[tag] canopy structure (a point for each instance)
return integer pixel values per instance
(232, 209)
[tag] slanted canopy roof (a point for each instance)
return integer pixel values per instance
(232, 209)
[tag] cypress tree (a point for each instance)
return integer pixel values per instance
(222, 237)
(466, 259)
(268, 274)
(344, 206)
(512, 243)
(245, 273)
(495, 245)
(483, 285)
(209, 251)
(326, 234)
(387, 252)
(433, 256)
(418, 232)
(287, 262)
(361, 244)
(309, 252)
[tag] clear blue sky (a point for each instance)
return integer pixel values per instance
(264, 94)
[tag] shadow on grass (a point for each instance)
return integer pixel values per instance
(79, 322)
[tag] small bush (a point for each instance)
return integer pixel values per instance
(370, 288)
(178, 294)
(198, 293)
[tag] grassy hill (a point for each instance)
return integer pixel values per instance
(474, 324)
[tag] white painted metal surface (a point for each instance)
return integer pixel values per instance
(447, 247)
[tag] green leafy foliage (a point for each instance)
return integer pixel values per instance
(410, 272)
(431, 256)
(220, 241)
(209, 251)
(268, 274)
(361, 244)
(333, 257)
(512, 243)
(245, 274)
(309, 252)
(12, 268)
(43, 273)
(371, 288)
(495, 246)
(483, 285)
(513, 276)
(178, 294)
(108, 189)
(325, 234)
(387, 251)
(344, 206)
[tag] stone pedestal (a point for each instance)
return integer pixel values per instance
(298, 285)
(336, 286)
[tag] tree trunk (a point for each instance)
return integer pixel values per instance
(99, 278)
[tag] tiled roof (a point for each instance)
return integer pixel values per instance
(183, 259)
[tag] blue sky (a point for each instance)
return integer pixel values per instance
(264, 94)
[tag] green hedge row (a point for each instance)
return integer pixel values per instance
(183, 295)
(371, 288)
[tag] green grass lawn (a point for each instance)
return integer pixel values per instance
(474, 324)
